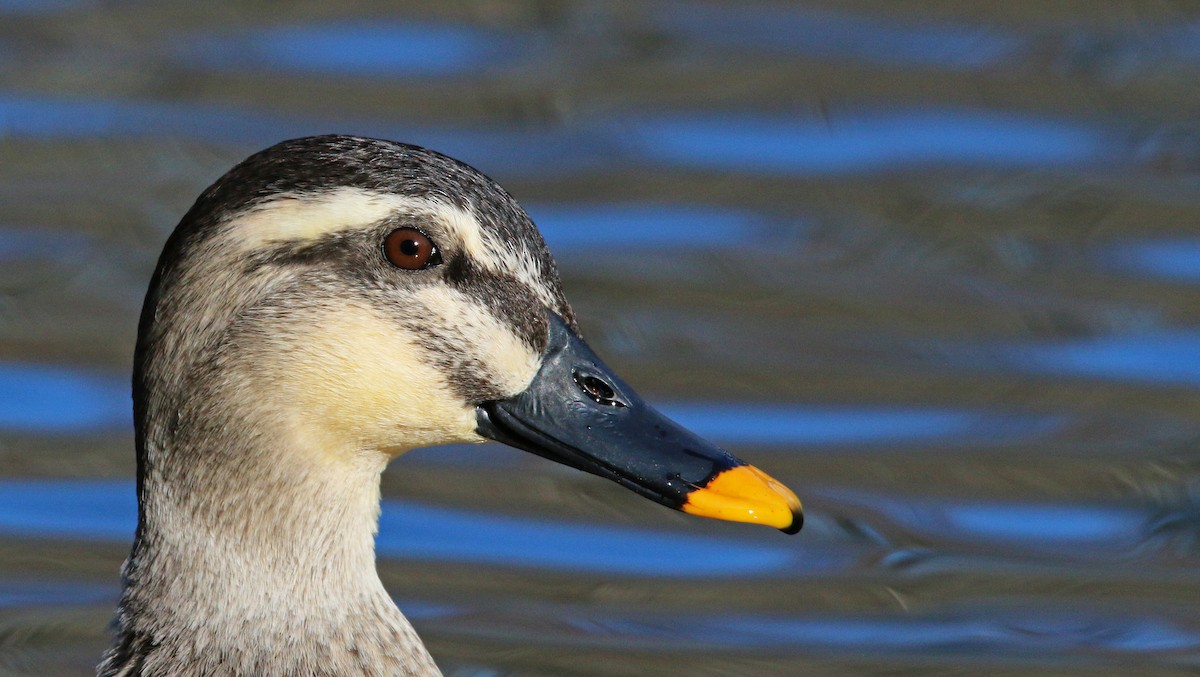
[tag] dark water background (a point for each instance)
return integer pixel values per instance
(936, 265)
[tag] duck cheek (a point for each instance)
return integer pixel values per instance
(354, 381)
(454, 424)
(415, 413)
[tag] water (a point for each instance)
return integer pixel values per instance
(360, 48)
(936, 269)
(856, 142)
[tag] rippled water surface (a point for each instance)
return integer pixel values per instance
(935, 267)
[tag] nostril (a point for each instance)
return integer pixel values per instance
(597, 389)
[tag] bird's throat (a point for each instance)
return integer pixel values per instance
(272, 545)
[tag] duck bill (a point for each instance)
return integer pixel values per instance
(578, 412)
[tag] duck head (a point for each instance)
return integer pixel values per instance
(377, 297)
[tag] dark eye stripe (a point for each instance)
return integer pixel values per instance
(509, 299)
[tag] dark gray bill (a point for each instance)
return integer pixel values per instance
(578, 412)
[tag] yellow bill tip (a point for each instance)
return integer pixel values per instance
(747, 494)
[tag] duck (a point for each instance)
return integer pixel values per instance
(328, 304)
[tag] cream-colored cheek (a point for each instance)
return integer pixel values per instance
(354, 381)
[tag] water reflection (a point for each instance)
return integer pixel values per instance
(60, 400)
(1061, 525)
(25, 244)
(1168, 358)
(56, 399)
(1168, 50)
(23, 594)
(1066, 528)
(45, 399)
(376, 48)
(107, 511)
(517, 151)
(983, 628)
(40, 6)
(578, 225)
(1011, 551)
(1037, 629)
(98, 510)
(856, 142)
(80, 509)
(826, 425)
(840, 35)
(1177, 259)
(411, 530)
(44, 117)
(852, 142)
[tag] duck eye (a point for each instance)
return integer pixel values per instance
(410, 249)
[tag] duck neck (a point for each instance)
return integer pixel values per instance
(255, 554)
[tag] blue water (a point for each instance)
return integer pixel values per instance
(57, 117)
(837, 35)
(56, 399)
(1169, 49)
(1068, 528)
(1183, 42)
(864, 142)
(617, 227)
(1038, 629)
(1160, 358)
(971, 231)
(749, 143)
(827, 425)
(1175, 259)
(413, 531)
(1059, 525)
(27, 593)
(46, 399)
(40, 6)
(61, 117)
(357, 48)
(107, 511)
(23, 244)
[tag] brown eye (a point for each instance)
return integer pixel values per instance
(410, 249)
